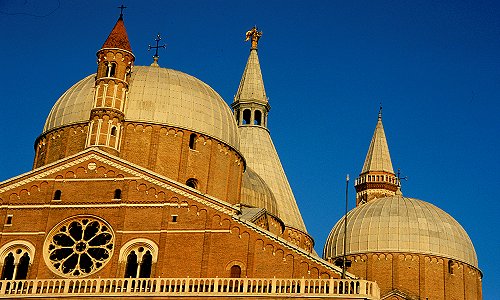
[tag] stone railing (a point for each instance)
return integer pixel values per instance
(191, 287)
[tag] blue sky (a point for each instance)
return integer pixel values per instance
(434, 65)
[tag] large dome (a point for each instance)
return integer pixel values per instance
(156, 95)
(400, 224)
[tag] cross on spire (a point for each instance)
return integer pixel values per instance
(122, 7)
(400, 178)
(156, 56)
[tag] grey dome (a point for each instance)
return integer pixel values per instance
(156, 95)
(256, 193)
(399, 224)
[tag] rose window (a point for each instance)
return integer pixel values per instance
(79, 247)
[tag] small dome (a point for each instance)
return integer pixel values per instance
(256, 193)
(156, 95)
(399, 224)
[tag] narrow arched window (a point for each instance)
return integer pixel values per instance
(450, 266)
(235, 272)
(192, 141)
(191, 182)
(127, 74)
(147, 260)
(111, 70)
(22, 267)
(113, 131)
(246, 116)
(131, 267)
(8, 267)
(57, 195)
(118, 194)
(257, 117)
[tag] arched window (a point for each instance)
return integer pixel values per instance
(57, 195)
(111, 70)
(8, 267)
(139, 265)
(22, 267)
(127, 74)
(246, 116)
(132, 265)
(235, 272)
(192, 141)
(118, 194)
(113, 131)
(147, 260)
(16, 257)
(139, 256)
(257, 117)
(450, 266)
(191, 182)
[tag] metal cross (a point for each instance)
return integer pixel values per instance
(122, 7)
(401, 178)
(158, 39)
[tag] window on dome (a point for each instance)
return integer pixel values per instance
(118, 194)
(235, 272)
(450, 266)
(192, 141)
(57, 195)
(257, 117)
(193, 183)
(246, 116)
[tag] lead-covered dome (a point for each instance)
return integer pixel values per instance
(400, 224)
(156, 95)
(256, 193)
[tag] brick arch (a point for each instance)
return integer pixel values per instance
(135, 243)
(25, 245)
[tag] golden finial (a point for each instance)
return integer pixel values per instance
(255, 35)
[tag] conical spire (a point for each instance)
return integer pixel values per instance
(378, 157)
(118, 37)
(250, 103)
(251, 85)
(377, 178)
(251, 110)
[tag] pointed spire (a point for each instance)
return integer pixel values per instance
(378, 157)
(252, 85)
(250, 102)
(118, 37)
(377, 179)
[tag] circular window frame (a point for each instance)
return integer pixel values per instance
(57, 229)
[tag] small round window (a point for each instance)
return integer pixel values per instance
(78, 247)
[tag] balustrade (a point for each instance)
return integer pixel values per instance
(237, 287)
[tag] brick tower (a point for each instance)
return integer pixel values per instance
(114, 64)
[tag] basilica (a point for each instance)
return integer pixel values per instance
(147, 184)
